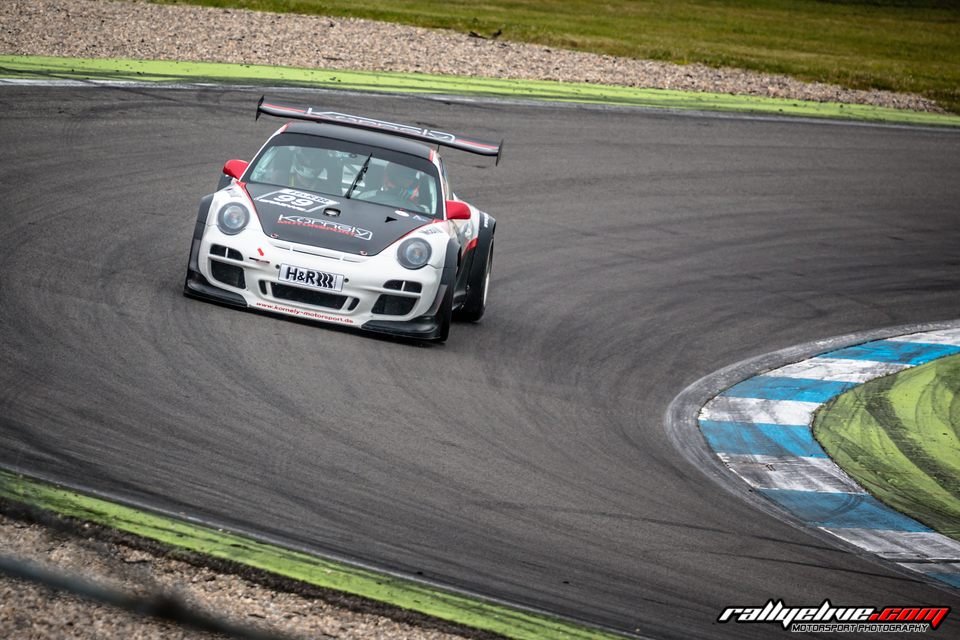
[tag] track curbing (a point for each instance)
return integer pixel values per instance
(759, 428)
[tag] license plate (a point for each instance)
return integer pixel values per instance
(311, 278)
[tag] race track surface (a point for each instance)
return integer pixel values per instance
(527, 457)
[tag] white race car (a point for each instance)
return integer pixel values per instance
(346, 220)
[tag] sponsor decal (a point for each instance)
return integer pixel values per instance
(325, 225)
(302, 201)
(303, 313)
(827, 618)
(431, 229)
(401, 212)
(311, 278)
(486, 220)
(383, 124)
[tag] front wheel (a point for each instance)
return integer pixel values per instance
(478, 288)
(445, 315)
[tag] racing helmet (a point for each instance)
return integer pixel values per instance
(302, 174)
(398, 177)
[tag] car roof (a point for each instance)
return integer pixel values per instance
(360, 136)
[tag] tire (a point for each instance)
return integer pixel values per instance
(193, 267)
(445, 315)
(478, 288)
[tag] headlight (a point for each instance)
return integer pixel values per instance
(413, 253)
(233, 218)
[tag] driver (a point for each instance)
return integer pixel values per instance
(400, 185)
(302, 174)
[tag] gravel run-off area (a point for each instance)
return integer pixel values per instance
(109, 29)
(128, 566)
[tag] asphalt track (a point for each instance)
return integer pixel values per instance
(527, 457)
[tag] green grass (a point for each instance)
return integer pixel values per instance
(322, 572)
(911, 46)
(166, 72)
(899, 437)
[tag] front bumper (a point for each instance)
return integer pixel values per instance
(377, 293)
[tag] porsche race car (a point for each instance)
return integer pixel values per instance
(346, 220)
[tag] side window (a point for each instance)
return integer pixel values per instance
(427, 192)
(448, 192)
(260, 171)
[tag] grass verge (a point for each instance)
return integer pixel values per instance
(899, 437)
(911, 46)
(312, 570)
(31, 67)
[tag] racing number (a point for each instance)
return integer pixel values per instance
(292, 200)
(296, 200)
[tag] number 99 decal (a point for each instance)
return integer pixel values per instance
(298, 200)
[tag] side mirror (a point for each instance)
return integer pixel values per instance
(235, 168)
(458, 210)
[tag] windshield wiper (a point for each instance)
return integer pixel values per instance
(363, 170)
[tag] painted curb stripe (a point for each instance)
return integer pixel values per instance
(948, 569)
(791, 473)
(761, 439)
(902, 545)
(911, 353)
(838, 369)
(943, 336)
(771, 387)
(758, 410)
(951, 576)
(760, 428)
(842, 510)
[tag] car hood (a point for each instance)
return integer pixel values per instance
(341, 224)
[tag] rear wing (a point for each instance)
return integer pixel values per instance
(431, 136)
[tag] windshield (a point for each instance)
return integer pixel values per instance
(349, 170)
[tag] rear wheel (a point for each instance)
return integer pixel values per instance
(478, 288)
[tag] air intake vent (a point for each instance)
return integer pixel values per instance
(388, 305)
(226, 252)
(308, 296)
(227, 274)
(403, 285)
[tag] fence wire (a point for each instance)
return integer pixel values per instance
(160, 606)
